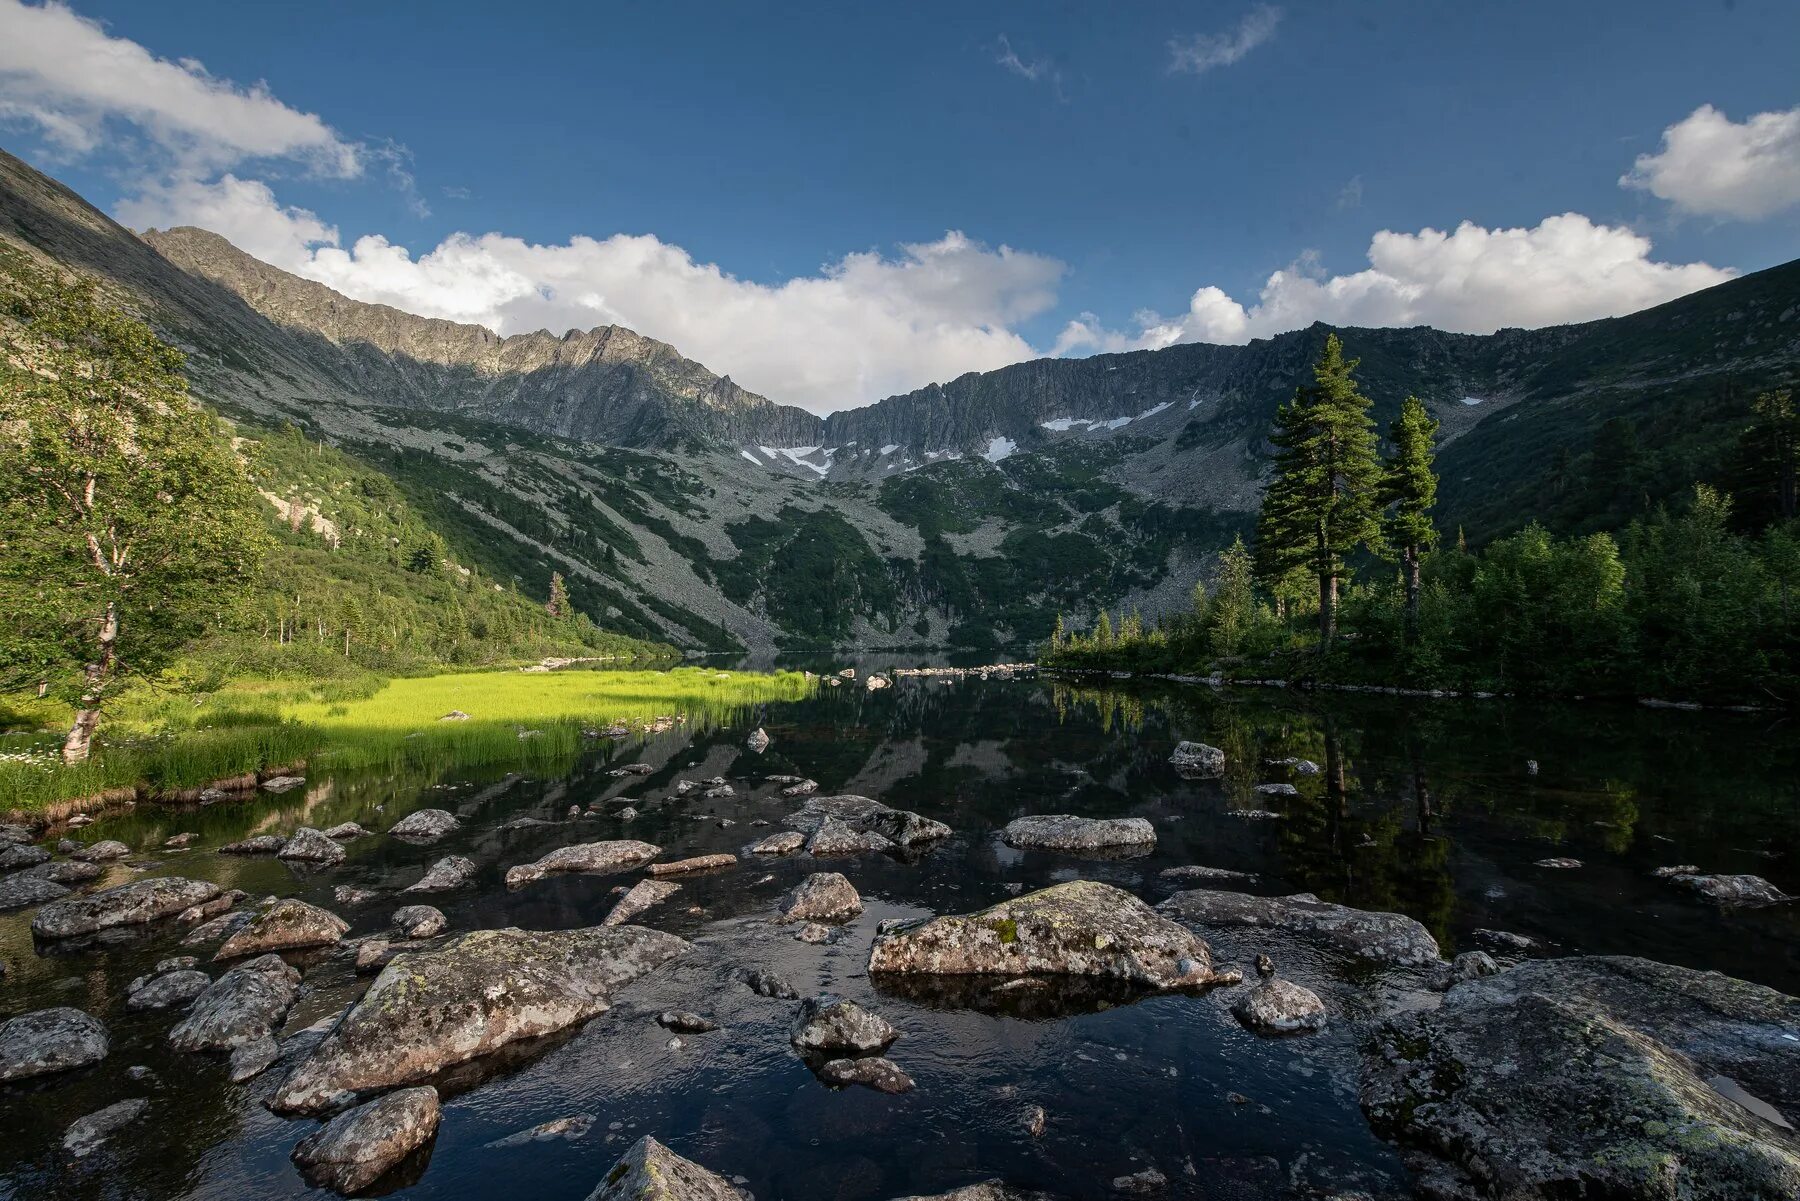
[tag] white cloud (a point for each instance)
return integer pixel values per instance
(243, 211)
(1472, 280)
(68, 77)
(863, 327)
(1708, 164)
(1202, 52)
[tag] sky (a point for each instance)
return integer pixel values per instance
(836, 202)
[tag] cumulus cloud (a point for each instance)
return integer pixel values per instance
(1472, 280)
(68, 77)
(1714, 166)
(1200, 53)
(862, 327)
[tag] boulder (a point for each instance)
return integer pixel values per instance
(1197, 872)
(822, 896)
(261, 844)
(758, 742)
(86, 1134)
(698, 863)
(1082, 928)
(1596, 1077)
(1277, 1006)
(288, 924)
(245, 1004)
(836, 839)
(988, 1190)
(876, 1072)
(207, 910)
(361, 1145)
(50, 1040)
(282, 783)
(28, 888)
(1733, 892)
(345, 894)
(14, 855)
(424, 825)
(828, 1024)
(611, 856)
(250, 1060)
(1198, 761)
(801, 788)
(307, 845)
(1561, 862)
(135, 903)
(766, 984)
(345, 832)
(104, 851)
(447, 874)
(865, 815)
(419, 921)
(650, 1171)
(1392, 939)
(167, 990)
(1066, 832)
(643, 896)
(431, 1009)
(683, 1022)
(785, 842)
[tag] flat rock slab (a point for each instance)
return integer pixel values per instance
(614, 856)
(429, 1010)
(446, 875)
(359, 1146)
(1082, 928)
(1596, 1076)
(642, 897)
(104, 851)
(902, 827)
(14, 855)
(1732, 892)
(288, 924)
(50, 1040)
(785, 842)
(245, 1004)
(27, 888)
(260, 844)
(1067, 832)
(698, 863)
(1387, 938)
(136, 903)
(86, 1134)
(822, 896)
(650, 1171)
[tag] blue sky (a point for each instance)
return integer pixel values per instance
(1133, 158)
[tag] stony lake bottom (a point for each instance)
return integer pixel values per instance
(1423, 807)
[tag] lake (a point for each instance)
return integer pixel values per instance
(1430, 808)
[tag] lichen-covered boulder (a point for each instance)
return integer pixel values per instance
(15, 855)
(902, 827)
(1277, 1006)
(245, 1004)
(650, 1171)
(832, 1024)
(50, 1040)
(821, 897)
(1082, 928)
(288, 924)
(430, 1009)
(359, 1146)
(424, 825)
(837, 839)
(758, 742)
(260, 844)
(611, 856)
(1198, 761)
(1386, 938)
(307, 845)
(1067, 832)
(168, 990)
(446, 875)
(875, 1071)
(419, 921)
(1596, 1076)
(104, 851)
(135, 903)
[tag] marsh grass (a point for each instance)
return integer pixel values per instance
(167, 741)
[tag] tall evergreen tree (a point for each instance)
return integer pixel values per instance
(1322, 504)
(558, 604)
(1233, 608)
(1408, 493)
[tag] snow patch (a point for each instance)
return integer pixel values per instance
(1062, 425)
(998, 449)
(1474, 400)
(751, 457)
(890, 448)
(1153, 412)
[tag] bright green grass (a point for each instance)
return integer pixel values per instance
(531, 719)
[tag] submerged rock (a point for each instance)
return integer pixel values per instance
(683, 1022)
(424, 825)
(345, 894)
(1067, 832)
(650, 1171)
(642, 897)
(261, 844)
(245, 1004)
(1199, 761)
(1082, 928)
(446, 875)
(1595, 1076)
(786, 842)
(835, 839)
(1562, 862)
(575, 1126)
(419, 921)
(360, 1146)
(611, 856)
(288, 924)
(698, 863)
(1197, 872)
(822, 896)
(876, 1072)
(104, 851)
(831, 1024)
(902, 827)
(50, 1040)
(86, 1134)
(168, 990)
(429, 1010)
(767, 984)
(307, 845)
(136, 903)
(1388, 938)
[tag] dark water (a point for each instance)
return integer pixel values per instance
(1424, 807)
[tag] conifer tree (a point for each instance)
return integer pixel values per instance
(558, 604)
(1234, 605)
(1408, 492)
(1322, 504)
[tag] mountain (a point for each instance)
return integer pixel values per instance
(684, 508)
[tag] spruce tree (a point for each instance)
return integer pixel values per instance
(558, 604)
(1408, 492)
(1234, 608)
(1322, 504)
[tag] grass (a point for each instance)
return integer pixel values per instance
(166, 741)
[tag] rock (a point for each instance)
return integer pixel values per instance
(1388, 938)
(801, 788)
(1735, 892)
(307, 845)
(1505, 939)
(627, 813)
(424, 825)
(813, 932)
(786, 842)
(1034, 1120)
(167, 990)
(67, 871)
(1082, 928)
(767, 984)
(1681, 869)
(1196, 760)
(288, 924)
(1141, 1183)
(643, 896)
(877, 681)
(15, 832)
(261, 844)
(135, 903)
(344, 894)
(283, 783)
(419, 921)
(1592, 1076)
(865, 815)
(252, 1059)
(104, 851)
(1558, 861)
(830, 1024)
(359, 1146)
(876, 1072)
(455, 715)
(429, 1010)
(836, 839)
(699, 863)
(50, 1040)
(85, 1134)
(206, 910)
(1277, 1006)
(447, 874)
(684, 1022)
(345, 832)
(1472, 965)
(613, 856)
(245, 1004)
(1193, 872)
(822, 896)
(1066, 832)
(14, 856)
(177, 841)
(650, 1171)
(1278, 790)
(29, 888)
(758, 742)
(219, 928)
(569, 1129)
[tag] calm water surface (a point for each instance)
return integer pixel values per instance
(1426, 808)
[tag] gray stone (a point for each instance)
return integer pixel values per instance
(250, 1060)
(424, 825)
(14, 856)
(168, 990)
(566, 1129)
(104, 851)
(345, 832)
(614, 856)
(420, 921)
(758, 742)
(1388, 938)
(642, 897)
(822, 896)
(1278, 1006)
(876, 1072)
(784, 842)
(261, 844)
(1735, 892)
(245, 1004)
(650, 1171)
(135, 903)
(446, 875)
(902, 827)
(831, 1024)
(684, 1022)
(1066, 832)
(279, 784)
(837, 839)
(1198, 761)
(359, 1146)
(28, 888)
(86, 1134)
(288, 924)
(50, 1040)
(307, 845)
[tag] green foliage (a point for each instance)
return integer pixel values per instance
(812, 571)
